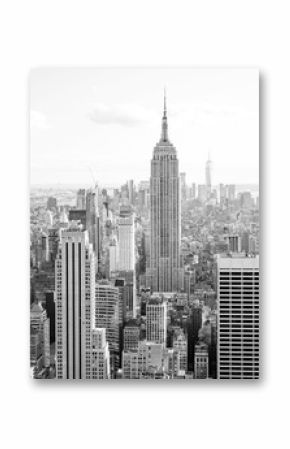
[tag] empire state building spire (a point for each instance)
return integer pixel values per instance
(164, 132)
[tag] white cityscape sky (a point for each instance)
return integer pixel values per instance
(103, 123)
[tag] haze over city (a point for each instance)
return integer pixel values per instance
(102, 124)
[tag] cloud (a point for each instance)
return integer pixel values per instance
(125, 114)
(38, 120)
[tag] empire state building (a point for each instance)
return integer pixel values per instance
(164, 214)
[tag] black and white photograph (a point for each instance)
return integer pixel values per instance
(144, 223)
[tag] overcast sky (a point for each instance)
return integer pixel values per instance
(104, 123)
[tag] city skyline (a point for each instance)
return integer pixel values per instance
(157, 279)
(76, 114)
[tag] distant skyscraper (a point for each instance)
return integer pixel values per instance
(222, 194)
(100, 361)
(231, 192)
(208, 170)
(131, 191)
(107, 316)
(246, 200)
(93, 221)
(164, 214)
(81, 199)
(51, 203)
(156, 321)
(202, 193)
(126, 239)
(193, 191)
(238, 317)
(74, 286)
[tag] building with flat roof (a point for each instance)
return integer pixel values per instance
(238, 317)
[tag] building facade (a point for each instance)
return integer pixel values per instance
(74, 288)
(126, 239)
(107, 316)
(156, 321)
(100, 355)
(39, 339)
(201, 364)
(238, 317)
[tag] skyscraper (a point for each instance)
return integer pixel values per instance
(74, 287)
(93, 221)
(81, 199)
(107, 316)
(208, 168)
(238, 317)
(126, 239)
(164, 214)
(131, 191)
(156, 321)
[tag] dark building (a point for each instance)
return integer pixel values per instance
(193, 326)
(50, 310)
(78, 215)
(51, 203)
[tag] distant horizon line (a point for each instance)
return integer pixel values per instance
(80, 185)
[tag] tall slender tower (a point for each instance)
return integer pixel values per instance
(208, 169)
(164, 214)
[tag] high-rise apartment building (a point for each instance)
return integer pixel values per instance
(156, 321)
(74, 288)
(238, 317)
(164, 214)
